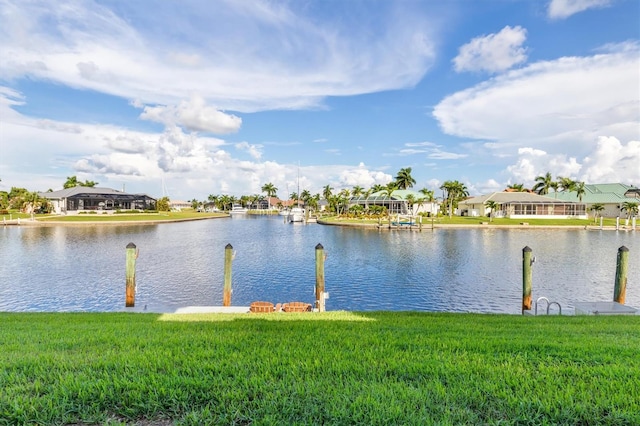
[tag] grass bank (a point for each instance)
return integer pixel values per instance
(124, 217)
(479, 221)
(333, 368)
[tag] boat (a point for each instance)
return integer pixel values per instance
(284, 212)
(296, 214)
(238, 209)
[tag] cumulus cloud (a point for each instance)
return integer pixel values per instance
(493, 52)
(609, 161)
(569, 101)
(126, 52)
(561, 9)
(362, 176)
(189, 164)
(253, 150)
(613, 161)
(194, 115)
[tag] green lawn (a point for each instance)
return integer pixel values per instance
(123, 217)
(465, 220)
(332, 368)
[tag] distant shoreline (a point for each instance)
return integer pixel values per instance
(427, 226)
(39, 223)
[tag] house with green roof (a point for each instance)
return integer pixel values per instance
(523, 205)
(610, 195)
(401, 201)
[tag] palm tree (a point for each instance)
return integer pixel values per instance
(631, 207)
(455, 191)
(357, 191)
(580, 190)
(517, 187)
(555, 186)
(567, 184)
(411, 200)
(377, 188)
(270, 190)
(404, 179)
(543, 183)
(30, 203)
(388, 192)
(597, 208)
(326, 192)
(305, 196)
(429, 196)
(367, 194)
(493, 206)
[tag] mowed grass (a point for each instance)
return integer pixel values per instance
(376, 368)
(476, 221)
(138, 217)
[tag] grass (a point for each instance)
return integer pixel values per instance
(374, 368)
(123, 217)
(465, 220)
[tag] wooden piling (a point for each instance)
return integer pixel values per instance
(320, 295)
(526, 278)
(620, 288)
(130, 289)
(228, 260)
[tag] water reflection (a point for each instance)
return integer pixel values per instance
(181, 264)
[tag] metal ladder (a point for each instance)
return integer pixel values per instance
(548, 305)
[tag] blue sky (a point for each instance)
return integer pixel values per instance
(193, 98)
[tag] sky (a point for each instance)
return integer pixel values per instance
(193, 98)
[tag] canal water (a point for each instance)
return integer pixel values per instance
(82, 268)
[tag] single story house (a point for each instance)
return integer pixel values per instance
(610, 195)
(401, 201)
(85, 198)
(522, 205)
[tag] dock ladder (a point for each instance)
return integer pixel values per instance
(548, 305)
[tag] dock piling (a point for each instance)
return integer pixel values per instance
(527, 262)
(620, 288)
(228, 260)
(320, 294)
(130, 290)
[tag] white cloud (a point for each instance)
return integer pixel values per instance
(437, 154)
(613, 161)
(493, 52)
(189, 165)
(217, 52)
(609, 161)
(194, 115)
(419, 144)
(565, 103)
(253, 150)
(363, 177)
(561, 9)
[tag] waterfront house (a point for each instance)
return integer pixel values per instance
(85, 198)
(522, 205)
(401, 201)
(610, 195)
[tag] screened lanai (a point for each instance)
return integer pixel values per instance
(397, 203)
(82, 198)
